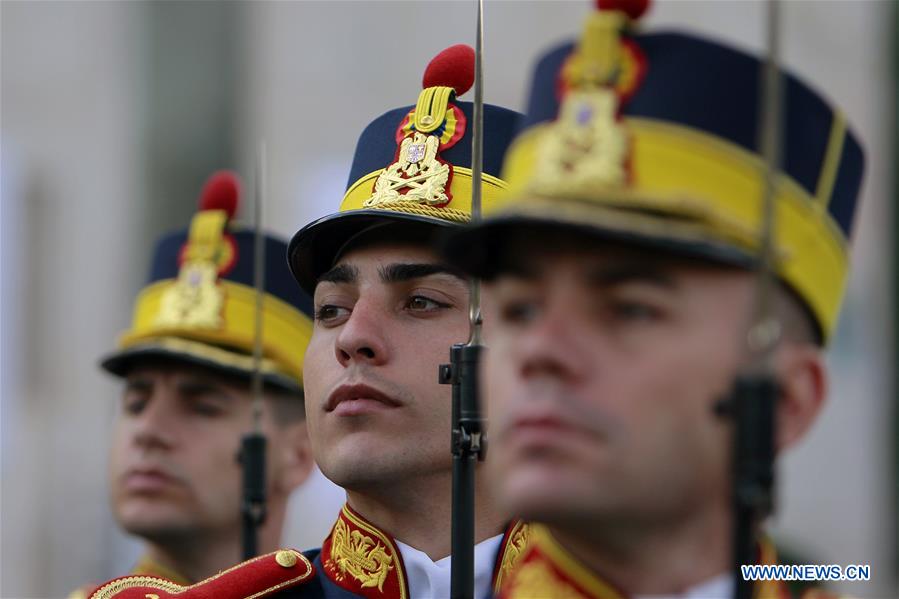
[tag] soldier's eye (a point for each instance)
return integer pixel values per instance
(634, 311)
(330, 314)
(206, 409)
(420, 303)
(520, 312)
(135, 394)
(134, 405)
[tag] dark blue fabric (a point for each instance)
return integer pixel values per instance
(714, 88)
(377, 146)
(278, 280)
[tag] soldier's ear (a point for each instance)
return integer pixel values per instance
(803, 380)
(296, 457)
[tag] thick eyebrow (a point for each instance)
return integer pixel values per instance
(399, 273)
(342, 273)
(620, 274)
(137, 383)
(200, 387)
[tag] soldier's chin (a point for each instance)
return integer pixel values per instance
(151, 521)
(159, 531)
(362, 467)
(541, 494)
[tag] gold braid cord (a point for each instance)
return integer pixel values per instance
(449, 214)
(252, 570)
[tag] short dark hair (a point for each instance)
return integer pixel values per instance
(796, 320)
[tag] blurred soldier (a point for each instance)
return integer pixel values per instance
(186, 362)
(387, 310)
(620, 290)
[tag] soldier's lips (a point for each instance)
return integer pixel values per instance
(545, 427)
(536, 429)
(354, 400)
(550, 440)
(148, 481)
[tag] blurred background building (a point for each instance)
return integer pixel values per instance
(113, 113)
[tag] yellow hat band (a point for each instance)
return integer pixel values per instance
(285, 330)
(708, 180)
(458, 209)
(213, 354)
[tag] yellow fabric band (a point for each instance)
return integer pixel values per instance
(234, 359)
(828, 175)
(689, 173)
(285, 329)
(458, 209)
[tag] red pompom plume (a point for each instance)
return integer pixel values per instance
(221, 192)
(454, 67)
(632, 8)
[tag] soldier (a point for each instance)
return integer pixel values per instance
(186, 362)
(387, 310)
(620, 283)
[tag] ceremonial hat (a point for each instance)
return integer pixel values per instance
(199, 305)
(653, 139)
(412, 166)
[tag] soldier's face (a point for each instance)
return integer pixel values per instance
(601, 375)
(173, 468)
(386, 316)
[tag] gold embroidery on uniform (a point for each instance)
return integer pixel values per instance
(131, 582)
(515, 548)
(415, 171)
(360, 556)
(536, 580)
(587, 147)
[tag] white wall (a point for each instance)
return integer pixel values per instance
(70, 104)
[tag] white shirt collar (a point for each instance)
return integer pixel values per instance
(719, 587)
(429, 579)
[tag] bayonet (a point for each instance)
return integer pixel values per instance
(468, 441)
(253, 445)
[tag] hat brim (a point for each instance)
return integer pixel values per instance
(176, 349)
(479, 250)
(314, 248)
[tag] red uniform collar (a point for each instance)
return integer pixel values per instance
(363, 559)
(549, 570)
